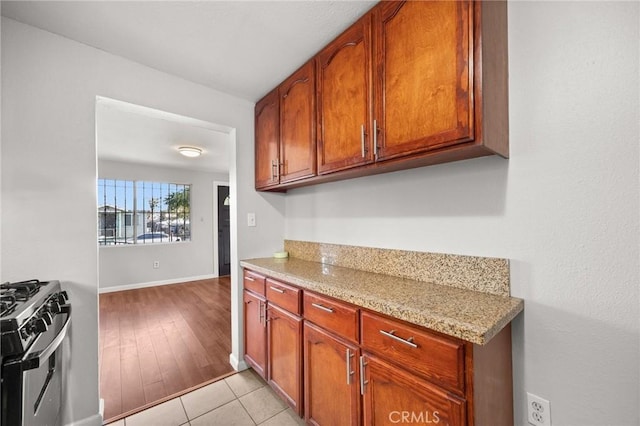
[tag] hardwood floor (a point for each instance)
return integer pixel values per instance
(157, 342)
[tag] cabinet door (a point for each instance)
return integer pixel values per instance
(331, 392)
(344, 100)
(285, 355)
(255, 332)
(392, 396)
(423, 82)
(267, 128)
(297, 125)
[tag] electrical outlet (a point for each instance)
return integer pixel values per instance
(538, 410)
(156, 264)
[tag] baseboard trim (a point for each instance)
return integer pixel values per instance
(155, 283)
(238, 365)
(95, 420)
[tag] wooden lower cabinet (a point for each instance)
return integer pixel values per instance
(331, 379)
(393, 396)
(338, 364)
(284, 333)
(255, 332)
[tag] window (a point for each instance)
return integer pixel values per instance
(133, 212)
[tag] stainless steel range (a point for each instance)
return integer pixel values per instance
(34, 320)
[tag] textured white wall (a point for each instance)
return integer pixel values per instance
(564, 208)
(49, 89)
(126, 265)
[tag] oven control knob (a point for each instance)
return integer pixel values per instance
(47, 317)
(39, 326)
(54, 307)
(62, 297)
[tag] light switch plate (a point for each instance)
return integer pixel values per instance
(251, 219)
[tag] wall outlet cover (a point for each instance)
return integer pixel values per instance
(538, 410)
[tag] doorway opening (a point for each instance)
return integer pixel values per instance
(164, 310)
(222, 231)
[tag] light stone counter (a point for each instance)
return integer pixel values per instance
(469, 315)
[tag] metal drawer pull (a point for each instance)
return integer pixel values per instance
(348, 361)
(322, 308)
(362, 381)
(279, 290)
(259, 311)
(249, 279)
(391, 334)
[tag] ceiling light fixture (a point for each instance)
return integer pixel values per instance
(190, 151)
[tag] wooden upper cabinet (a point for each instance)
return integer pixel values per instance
(410, 84)
(344, 100)
(267, 134)
(423, 81)
(297, 125)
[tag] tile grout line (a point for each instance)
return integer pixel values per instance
(245, 410)
(214, 409)
(237, 398)
(184, 410)
(276, 414)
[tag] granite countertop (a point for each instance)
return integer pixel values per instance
(469, 315)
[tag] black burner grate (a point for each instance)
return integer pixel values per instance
(7, 304)
(22, 290)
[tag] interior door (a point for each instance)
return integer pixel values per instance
(224, 232)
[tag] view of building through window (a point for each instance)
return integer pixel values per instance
(134, 212)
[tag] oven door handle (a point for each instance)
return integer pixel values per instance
(35, 360)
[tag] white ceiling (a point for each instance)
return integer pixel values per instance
(244, 48)
(132, 133)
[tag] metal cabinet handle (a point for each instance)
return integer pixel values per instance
(375, 137)
(362, 141)
(322, 308)
(264, 313)
(275, 169)
(391, 334)
(279, 290)
(249, 279)
(350, 372)
(363, 382)
(268, 317)
(259, 311)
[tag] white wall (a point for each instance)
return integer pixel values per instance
(133, 264)
(49, 89)
(564, 208)
(0, 148)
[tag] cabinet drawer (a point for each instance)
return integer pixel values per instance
(337, 317)
(254, 282)
(283, 295)
(437, 358)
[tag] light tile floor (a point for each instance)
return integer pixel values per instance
(241, 399)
